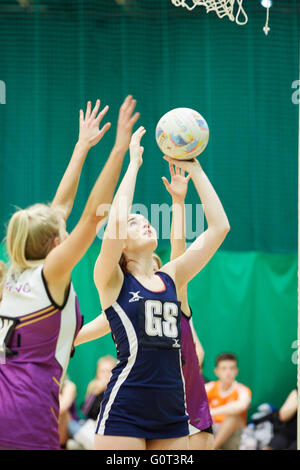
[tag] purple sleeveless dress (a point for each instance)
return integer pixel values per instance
(36, 360)
(196, 398)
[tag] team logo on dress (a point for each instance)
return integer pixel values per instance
(135, 296)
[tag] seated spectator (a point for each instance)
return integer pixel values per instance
(285, 427)
(67, 410)
(82, 432)
(228, 401)
(97, 387)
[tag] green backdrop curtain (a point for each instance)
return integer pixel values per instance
(56, 55)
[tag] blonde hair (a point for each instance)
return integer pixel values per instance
(123, 262)
(2, 277)
(30, 235)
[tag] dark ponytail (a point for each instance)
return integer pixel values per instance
(123, 263)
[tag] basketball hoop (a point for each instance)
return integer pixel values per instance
(223, 8)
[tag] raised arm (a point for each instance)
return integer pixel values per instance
(61, 260)
(107, 265)
(187, 265)
(89, 135)
(107, 268)
(93, 330)
(289, 408)
(178, 189)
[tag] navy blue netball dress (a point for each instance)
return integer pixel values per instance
(145, 396)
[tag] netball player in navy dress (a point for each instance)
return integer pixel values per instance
(144, 404)
(39, 312)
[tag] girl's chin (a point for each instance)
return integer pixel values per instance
(144, 243)
(150, 241)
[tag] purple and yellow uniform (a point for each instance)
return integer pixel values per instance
(36, 340)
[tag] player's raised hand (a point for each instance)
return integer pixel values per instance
(126, 121)
(89, 132)
(136, 150)
(179, 182)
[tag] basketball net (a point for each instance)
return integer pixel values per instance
(222, 8)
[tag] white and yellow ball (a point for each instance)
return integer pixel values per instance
(182, 133)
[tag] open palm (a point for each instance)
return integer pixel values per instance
(179, 182)
(89, 123)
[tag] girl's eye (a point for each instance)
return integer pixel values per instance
(132, 222)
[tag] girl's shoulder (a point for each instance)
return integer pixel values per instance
(169, 270)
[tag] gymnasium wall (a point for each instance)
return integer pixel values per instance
(56, 55)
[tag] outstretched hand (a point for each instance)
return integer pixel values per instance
(89, 132)
(136, 150)
(179, 182)
(126, 121)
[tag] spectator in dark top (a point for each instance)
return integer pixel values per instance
(97, 386)
(285, 427)
(82, 432)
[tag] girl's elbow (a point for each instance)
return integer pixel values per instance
(226, 229)
(225, 225)
(222, 231)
